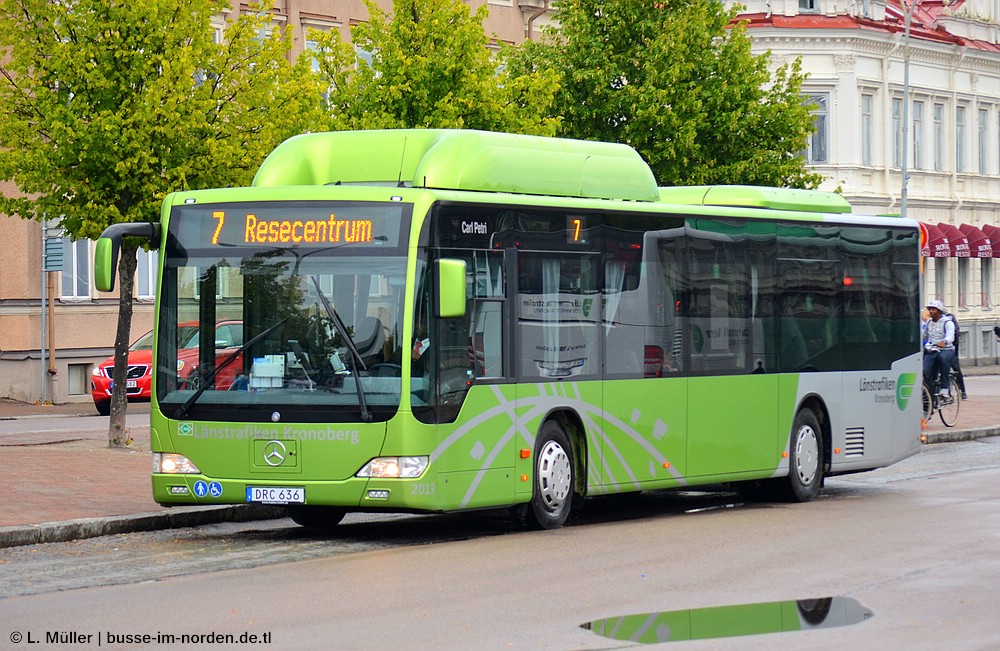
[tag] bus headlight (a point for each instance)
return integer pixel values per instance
(173, 464)
(394, 467)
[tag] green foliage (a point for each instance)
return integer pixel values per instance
(677, 81)
(113, 104)
(430, 67)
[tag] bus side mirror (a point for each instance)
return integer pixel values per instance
(109, 245)
(105, 262)
(451, 288)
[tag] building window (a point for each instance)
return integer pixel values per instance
(938, 137)
(984, 116)
(363, 56)
(808, 5)
(79, 379)
(867, 102)
(960, 139)
(145, 274)
(940, 279)
(897, 133)
(918, 135)
(816, 149)
(963, 282)
(76, 269)
(311, 47)
(985, 281)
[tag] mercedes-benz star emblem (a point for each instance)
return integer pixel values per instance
(274, 453)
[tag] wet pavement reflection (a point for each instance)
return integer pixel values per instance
(732, 621)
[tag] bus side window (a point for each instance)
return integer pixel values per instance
(487, 340)
(486, 295)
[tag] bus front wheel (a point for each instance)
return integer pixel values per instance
(805, 458)
(552, 495)
(316, 517)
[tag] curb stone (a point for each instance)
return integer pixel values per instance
(954, 436)
(178, 517)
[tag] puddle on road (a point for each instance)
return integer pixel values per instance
(732, 621)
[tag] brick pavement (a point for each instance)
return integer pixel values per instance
(57, 486)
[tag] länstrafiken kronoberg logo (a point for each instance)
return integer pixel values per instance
(904, 389)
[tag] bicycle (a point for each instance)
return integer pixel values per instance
(946, 407)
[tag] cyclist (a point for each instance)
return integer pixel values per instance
(939, 347)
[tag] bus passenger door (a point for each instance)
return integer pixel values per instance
(733, 389)
(557, 336)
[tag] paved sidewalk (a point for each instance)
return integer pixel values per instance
(58, 485)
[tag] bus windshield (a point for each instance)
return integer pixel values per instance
(266, 283)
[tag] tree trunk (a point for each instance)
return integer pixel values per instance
(117, 433)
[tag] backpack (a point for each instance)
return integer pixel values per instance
(955, 321)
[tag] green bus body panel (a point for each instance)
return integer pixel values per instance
(702, 623)
(458, 159)
(639, 436)
(732, 409)
(748, 196)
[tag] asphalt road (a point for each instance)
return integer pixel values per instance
(915, 544)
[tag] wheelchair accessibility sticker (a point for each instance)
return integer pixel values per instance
(204, 489)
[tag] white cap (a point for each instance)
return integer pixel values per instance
(936, 304)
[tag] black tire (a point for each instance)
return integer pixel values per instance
(948, 407)
(316, 517)
(814, 611)
(805, 458)
(928, 403)
(555, 478)
(103, 408)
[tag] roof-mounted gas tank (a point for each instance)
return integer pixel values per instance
(456, 159)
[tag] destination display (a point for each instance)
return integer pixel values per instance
(482, 228)
(575, 233)
(289, 224)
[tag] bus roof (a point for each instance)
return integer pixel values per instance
(459, 159)
(748, 196)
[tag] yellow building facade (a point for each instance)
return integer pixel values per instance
(55, 327)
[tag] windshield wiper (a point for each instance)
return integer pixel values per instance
(207, 381)
(356, 360)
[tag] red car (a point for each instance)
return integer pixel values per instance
(228, 335)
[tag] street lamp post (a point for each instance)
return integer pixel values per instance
(908, 7)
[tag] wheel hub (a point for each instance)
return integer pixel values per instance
(554, 472)
(806, 454)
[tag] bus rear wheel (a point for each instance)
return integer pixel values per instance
(552, 495)
(316, 517)
(805, 458)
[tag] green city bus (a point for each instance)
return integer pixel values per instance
(447, 320)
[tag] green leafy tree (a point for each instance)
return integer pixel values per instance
(430, 67)
(677, 81)
(111, 104)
